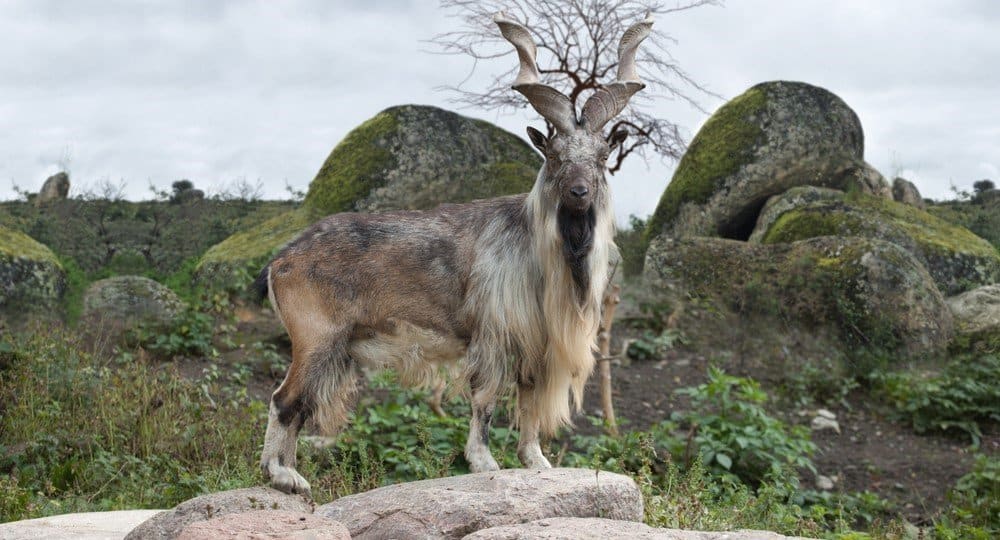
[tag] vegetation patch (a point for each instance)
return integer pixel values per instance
(16, 244)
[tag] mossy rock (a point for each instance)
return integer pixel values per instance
(232, 264)
(873, 293)
(31, 277)
(957, 259)
(415, 157)
(124, 302)
(775, 136)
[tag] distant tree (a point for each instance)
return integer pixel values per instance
(983, 186)
(578, 51)
(181, 186)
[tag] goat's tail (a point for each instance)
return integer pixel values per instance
(260, 286)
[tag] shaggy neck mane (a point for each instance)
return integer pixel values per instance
(577, 232)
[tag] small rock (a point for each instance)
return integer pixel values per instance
(826, 414)
(819, 423)
(824, 483)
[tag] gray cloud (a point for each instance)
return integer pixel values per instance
(214, 91)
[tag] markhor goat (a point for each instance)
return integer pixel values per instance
(512, 285)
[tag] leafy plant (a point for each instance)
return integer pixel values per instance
(735, 437)
(189, 334)
(975, 511)
(652, 345)
(964, 394)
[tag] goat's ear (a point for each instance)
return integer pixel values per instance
(537, 139)
(616, 138)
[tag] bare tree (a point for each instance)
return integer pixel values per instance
(579, 36)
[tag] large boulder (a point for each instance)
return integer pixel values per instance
(30, 275)
(414, 157)
(608, 529)
(456, 506)
(409, 157)
(956, 258)
(123, 302)
(55, 188)
(775, 136)
(168, 525)
(873, 292)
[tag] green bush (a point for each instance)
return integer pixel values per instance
(735, 437)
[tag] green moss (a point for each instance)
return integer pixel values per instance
(353, 168)
(261, 241)
(723, 145)
(15, 244)
(504, 178)
(859, 214)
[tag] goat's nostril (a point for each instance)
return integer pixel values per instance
(579, 191)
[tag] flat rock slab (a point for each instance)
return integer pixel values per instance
(85, 526)
(266, 525)
(607, 529)
(168, 525)
(456, 506)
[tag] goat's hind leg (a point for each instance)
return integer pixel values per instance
(319, 385)
(477, 447)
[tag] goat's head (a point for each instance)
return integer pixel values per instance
(575, 155)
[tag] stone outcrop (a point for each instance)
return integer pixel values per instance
(956, 258)
(607, 529)
(454, 507)
(128, 301)
(978, 310)
(168, 525)
(409, 157)
(266, 524)
(30, 275)
(55, 188)
(873, 291)
(775, 136)
(904, 191)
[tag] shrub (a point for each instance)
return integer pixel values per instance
(735, 437)
(964, 394)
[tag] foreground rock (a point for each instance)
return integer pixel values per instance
(30, 276)
(409, 157)
(168, 525)
(123, 302)
(454, 507)
(873, 292)
(607, 529)
(956, 258)
(55, 188)
(775, 136)
(266, 524)
(84, 526)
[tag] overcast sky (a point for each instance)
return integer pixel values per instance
(213, 91)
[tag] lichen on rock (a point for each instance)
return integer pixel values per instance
(414, 157)
(874, 292)
(957, 259)
(775, 136)
(30, 275)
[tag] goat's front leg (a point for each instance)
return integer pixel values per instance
(477, 448)
(529, 449)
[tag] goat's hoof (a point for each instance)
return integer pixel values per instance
(484, 465)
(290, 481)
